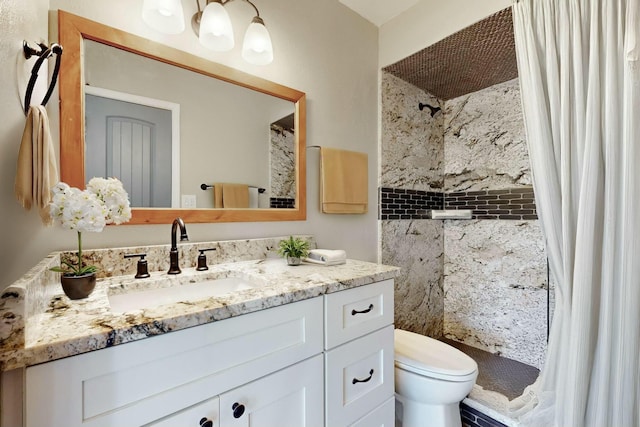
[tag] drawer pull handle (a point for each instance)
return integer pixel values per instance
(238, 410)
(205, 422)
(354, 312)
(356, 381)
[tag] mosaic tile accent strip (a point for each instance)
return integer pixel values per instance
(477, 57)
(511, 203)
(282, 203)
(400, 203)
(474, 418)
(497, 373)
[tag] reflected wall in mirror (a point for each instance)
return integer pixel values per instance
(232, 127)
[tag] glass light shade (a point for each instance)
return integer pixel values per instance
(257, 48)
(215, 28)
(165, 16)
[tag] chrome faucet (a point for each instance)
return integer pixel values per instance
(174, 267)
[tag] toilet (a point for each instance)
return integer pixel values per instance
(431, 379)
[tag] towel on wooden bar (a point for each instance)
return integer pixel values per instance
(226, 195)
(37, 172)
(343, 181)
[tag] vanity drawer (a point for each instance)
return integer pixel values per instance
(383, 416)
(355, 312)
(359, 377)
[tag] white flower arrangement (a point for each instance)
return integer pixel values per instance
(105, 201)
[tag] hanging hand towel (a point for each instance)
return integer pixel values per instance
(230, 195)
(343, 181)
(217, 195)
(235, 195)
(37, 172)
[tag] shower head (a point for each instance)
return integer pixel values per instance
(433, 110)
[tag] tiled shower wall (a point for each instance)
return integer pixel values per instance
(480, 281)
(495, 269)
(283, 166)
(411, 167)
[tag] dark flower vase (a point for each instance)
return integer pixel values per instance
(78, 287)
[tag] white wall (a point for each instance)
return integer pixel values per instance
(334, 64)
(429, 22)
(19, 20)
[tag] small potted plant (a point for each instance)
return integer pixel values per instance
(103, 202)
(293, 248)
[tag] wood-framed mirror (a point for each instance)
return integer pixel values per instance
(75, 33)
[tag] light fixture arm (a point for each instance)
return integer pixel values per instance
(254, 7)
(223, 2)
(195, 20)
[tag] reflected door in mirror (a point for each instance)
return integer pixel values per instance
(131, 142)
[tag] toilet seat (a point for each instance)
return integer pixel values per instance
(432, 358)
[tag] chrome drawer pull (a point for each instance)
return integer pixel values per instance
(354, 312)
(355, 380)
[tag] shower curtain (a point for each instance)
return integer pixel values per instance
(580, 82)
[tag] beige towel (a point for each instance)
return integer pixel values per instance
(217, 195)
(231, 195)
(343, 181)
(37, 172)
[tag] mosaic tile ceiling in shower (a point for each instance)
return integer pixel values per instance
(472, 59)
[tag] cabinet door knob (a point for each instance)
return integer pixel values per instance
(206, 422)
(356, 380)
(354, 312)
(238, 410)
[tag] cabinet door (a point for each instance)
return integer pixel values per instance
(292, 397)
(204, 414)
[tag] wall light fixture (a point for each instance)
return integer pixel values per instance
(212, 26)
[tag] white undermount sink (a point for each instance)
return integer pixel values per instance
(188, 292)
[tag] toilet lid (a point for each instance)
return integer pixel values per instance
(417, 353)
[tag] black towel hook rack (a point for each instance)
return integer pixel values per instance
(44, 53)
(207, 186)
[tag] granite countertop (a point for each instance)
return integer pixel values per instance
(64, 327)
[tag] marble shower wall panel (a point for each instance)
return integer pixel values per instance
(283, 163)
(495, 280)
(484, 139)
(416, 247)
(412, 150)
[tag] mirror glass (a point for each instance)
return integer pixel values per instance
(171, 125)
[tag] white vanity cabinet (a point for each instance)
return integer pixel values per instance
(166, 378)
(325, 361)
(359, 359)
